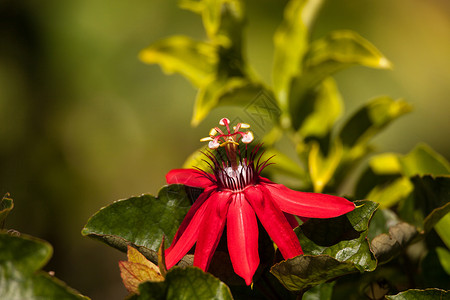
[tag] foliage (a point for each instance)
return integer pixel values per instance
(21, 258)
(403, 224)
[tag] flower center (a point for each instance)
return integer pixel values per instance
(236, 180)
(230, 140)
(236, 168)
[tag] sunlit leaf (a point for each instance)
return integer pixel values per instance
(232, 91)
(21, 258)
(371, 119)
(442, 227)
(283, 163)
(444, 258)
(141, 221)
(427, 294)
(221, 18)
(338, 50)
(390, 194)
(185, 283)
(193, 59)
(290, 41)
(423, 160)
(322, 168)
(317, 115)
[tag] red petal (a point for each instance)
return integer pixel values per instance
(192, 211)
(310, 205)
(188, 231)
(242, 236)
(292, 220)
(190, 177)
(273, 220)
(211, 228)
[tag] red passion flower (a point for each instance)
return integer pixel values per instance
(236, 195)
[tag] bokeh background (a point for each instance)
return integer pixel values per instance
(84, 122)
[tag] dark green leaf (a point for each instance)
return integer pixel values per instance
(371, 119)
(320, 292)
(432, 196)
(141, 221)
(343, 238)
(382, 220)
(6, 205)
(21, 257)
(185, 283)
(290, 41)
(192, 59)
(302, 272)
(427, 294)
(332, 247)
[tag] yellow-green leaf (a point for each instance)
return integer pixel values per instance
(317, 114)
(423, 160)
(193, 59)
(391, 193)
(290, 41)
(322, 168)
(371, 119)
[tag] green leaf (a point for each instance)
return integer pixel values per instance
(283, 163)
(194, 60)
(444, 258)
(290, 41)
(431, 197)
(317, 116)
(21, 257)
(427, 294)
(302, 272)
(442, 227)
(322, 168)
(322, 291)
(382, 220)
(222, 19)
(423, 160)
(141, 220)
(339, 50)
(343, 238)
(185, 283)
(230, 91)
(333, 247)
(6, 205)
(371, 119)
(390, 194)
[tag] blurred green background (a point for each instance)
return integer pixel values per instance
(85, 123)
